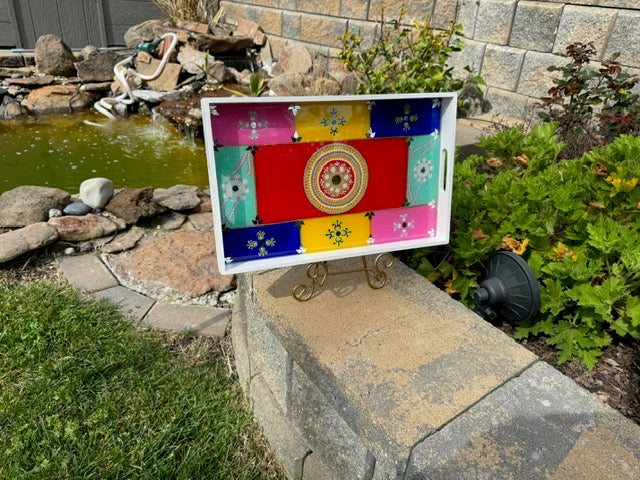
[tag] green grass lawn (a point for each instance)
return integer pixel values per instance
(85, 394)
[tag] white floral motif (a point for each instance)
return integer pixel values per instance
(403, 225)
(423, 170)
(254, 124)
(431, 232)
(234, 188)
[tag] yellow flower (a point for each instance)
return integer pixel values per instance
(616, 182)
(516, 246)
(631, 183)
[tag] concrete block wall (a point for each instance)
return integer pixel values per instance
(509, 42)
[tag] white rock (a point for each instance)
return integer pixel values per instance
(96, 192)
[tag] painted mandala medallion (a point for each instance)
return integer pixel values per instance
(335, 178)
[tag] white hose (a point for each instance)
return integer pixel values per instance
(105, 105)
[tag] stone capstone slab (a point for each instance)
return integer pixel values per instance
(132, 304)
(493, 24)
(74, 228)
(178, 197)
(535, 25)
(176, 263)
(29, 204)
(87, 272)
(132, 204)
(394, 364)
(539, 426)
(584, 24)
(210, 321)
(18, 242)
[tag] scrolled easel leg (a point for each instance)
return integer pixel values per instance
(318, 272)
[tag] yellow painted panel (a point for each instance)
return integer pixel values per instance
(335, 232)
(322, 122)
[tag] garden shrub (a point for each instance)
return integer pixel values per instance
(408, 59)
(592, 106)
(576, 222)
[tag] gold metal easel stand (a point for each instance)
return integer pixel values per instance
(318, 273)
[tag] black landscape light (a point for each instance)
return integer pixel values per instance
(510, 290)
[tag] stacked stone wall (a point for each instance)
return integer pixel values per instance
(511, 43)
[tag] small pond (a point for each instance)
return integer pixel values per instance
(63, 150)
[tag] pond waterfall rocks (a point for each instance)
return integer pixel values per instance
(215, 59)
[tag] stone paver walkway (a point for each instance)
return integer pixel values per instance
(88, 272)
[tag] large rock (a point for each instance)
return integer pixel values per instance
(166, 80)
(192, 60)
(97, 67)
(222, 43)
(295, 59)
(24, 240)
(96, 192)
(10, 108)
(178, 197)
(81, 228)
(30, 204)
(143, 32)
(54, 57)
(58, 98)
(289, 84)
(131, 204)
(182, 262)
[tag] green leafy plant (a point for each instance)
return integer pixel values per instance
(406, 58)
(576, 222)
(257, 85)
(591, 106)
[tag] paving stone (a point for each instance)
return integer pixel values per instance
(210, 321)
(397, 363)
(625, 38)
(501, 66)
(132, 304)
(493, 24)
(535, 25)
(535, 79)
(584, 24)
(87, 272)
(538, 426)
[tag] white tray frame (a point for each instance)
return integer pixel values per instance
(445, 181)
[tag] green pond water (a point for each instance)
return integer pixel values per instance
(63, 150)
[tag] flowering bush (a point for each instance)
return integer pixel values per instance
(576, 222)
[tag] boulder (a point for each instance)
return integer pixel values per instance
(178, 197)
(24, 240)
(166, 80)
(58, 98)
(143, 32)
(132, 204)
(322, 86)
(10, 108)
(81, 228)
(182, 262)
(29, 204)
(96, 192)
(203, 222)
(295, 59)
(54, 57)
(97, 67)
(192, 60)
(289, 84)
